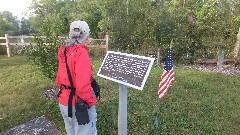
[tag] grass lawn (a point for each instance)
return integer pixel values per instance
(198, 103)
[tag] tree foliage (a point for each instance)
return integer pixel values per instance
(197, 27)
(44, 55)
(133, 23)
(24, 27)
(59, 15)
(8, 23)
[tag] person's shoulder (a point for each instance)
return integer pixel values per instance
(61, 51)
(62, 48)
(81, 48)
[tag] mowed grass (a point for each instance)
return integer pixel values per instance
(198, 103)
(21, 99)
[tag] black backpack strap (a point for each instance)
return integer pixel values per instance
(72, 87)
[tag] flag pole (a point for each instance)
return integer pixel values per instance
(157, 117)
(171, 44)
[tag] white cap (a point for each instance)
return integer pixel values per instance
(79, 29)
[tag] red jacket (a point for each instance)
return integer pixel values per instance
(81, 71)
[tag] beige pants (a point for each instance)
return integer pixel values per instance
(71, 124)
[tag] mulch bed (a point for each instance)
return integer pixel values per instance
(51, 94)
(225, 70)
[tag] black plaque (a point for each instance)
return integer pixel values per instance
(130, 70)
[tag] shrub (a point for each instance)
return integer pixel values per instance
(45, 54)
(3, 50)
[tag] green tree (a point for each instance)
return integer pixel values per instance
(59, 15)
(8, 23)
(24, 27)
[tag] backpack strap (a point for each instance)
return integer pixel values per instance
(72, 93)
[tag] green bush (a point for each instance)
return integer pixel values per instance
(3, 50)
(45, 54)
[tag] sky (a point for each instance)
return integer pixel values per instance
(16, 7)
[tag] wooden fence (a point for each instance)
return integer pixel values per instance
(92, 43)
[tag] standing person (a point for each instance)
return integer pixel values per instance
(82, 75)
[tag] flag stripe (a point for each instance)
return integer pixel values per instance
(169, 82)
(166, 83)
(171, 73)
(167, 79)
(163, 91)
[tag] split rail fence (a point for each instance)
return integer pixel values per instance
(93, 43)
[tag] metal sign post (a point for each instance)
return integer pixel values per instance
(127, 70)
(122, 110)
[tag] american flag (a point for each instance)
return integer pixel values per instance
(167, 78)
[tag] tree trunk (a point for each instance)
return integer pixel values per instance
(237, 47)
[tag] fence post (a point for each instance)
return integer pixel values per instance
(220, 60)
(107, 43)
(8, 45)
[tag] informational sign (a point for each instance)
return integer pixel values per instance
(127, 69)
